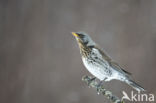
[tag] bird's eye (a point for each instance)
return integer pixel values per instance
(80, 35)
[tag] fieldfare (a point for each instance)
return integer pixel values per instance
(99, 64)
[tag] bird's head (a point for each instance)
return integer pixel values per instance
(83, 39)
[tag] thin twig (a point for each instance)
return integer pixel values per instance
(100, 89)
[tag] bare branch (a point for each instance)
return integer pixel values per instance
(100, 89)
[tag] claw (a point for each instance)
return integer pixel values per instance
(98, 87)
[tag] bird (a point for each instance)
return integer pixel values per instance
(100, 65)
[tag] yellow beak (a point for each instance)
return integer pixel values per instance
(74, 34)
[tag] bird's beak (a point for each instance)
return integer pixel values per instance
(74, 34)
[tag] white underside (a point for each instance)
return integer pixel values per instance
(100, 70)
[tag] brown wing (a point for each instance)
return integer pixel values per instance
(106, 57)
(117, 66)
(112, 63)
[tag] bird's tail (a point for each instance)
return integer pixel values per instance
(134, 85)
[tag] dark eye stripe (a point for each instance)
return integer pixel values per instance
(80, 35)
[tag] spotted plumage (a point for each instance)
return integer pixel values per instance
(99, 64)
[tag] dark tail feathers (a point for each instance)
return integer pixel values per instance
(134, 85)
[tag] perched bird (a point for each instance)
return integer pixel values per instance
(99, 64)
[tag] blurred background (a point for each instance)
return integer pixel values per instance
(40, 60)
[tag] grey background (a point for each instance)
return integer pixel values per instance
(40, 60)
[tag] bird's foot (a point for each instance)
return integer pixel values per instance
(90, 80)
(99, 86)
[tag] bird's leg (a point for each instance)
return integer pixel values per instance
(90, 80)
(99, 85)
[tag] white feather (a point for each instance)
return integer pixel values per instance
(100, 69)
